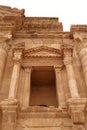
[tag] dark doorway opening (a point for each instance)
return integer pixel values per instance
(43, 87)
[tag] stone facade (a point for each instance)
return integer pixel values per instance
(43, 73)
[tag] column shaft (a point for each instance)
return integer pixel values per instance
(59, 88)
(27, 86)
(3, 56)
(14, 81)
(83, 58)
(71, 76)
(15, 75)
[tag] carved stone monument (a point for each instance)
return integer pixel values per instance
(43, 73)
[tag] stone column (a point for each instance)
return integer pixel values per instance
(71, 76)
(3, 56)
(15, 74)
(59, 87)
(27, 86)
(83, 58)
(9, 108)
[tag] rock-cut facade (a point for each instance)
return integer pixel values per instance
(43, 73)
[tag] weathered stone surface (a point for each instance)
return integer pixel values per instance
(43, 73)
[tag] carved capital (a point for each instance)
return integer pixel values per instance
(17, 56)
(4, 40)
(28, 69)
(67, 60)
(5, 46)
(58, 68)
(81, 45)
(67, 55)
(76, 109)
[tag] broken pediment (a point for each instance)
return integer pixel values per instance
(8, 11)
(42, 51)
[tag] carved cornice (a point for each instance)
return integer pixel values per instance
(36, 33)
(8, 11)
(10, 18)
(78, 28)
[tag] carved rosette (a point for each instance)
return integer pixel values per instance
(76, 109)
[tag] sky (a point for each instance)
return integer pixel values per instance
(68, 11)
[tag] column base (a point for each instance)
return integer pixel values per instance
(76, 109)
(9, 108)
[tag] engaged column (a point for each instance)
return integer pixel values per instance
(15, 74)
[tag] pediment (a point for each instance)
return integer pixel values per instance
(43, 51)
(8, 11)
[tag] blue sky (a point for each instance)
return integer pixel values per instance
(68, 11)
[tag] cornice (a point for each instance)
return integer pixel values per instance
(8, 11)
(42, 34)
(78, 28)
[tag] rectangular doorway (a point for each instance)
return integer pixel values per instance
(43, 87)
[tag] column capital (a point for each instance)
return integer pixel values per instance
(67, 56)
(67, 60)
(81, 45)
(76, 109)
(80, 42)
(4, 45)
(28, 69)
(17, 56)
(58, 68)
(4, 40)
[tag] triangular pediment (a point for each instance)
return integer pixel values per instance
(43, 51)
(8, 11)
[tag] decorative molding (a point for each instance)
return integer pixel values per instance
(78, 28)
(8, 11)
(5, 37)
(42, 51)
(58, 68)
(67, 60)
(76, 109)
(17, 56)
(9, 108)
(17, 52)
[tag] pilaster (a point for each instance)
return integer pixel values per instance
(27, 86)
(59, 87)
(70, 74)
(15, 74)
(4, 48)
